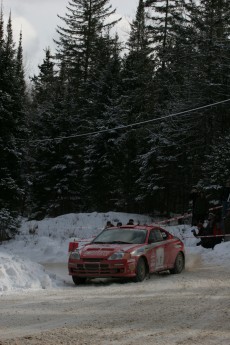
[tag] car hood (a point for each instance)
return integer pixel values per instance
(106, 250)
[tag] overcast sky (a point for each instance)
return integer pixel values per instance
(38, 21)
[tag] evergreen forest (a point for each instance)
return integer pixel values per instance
(108, 125)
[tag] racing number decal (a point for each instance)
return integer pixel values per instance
(160, 257)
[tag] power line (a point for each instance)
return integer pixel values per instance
(133, 124)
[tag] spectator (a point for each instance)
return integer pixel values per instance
(214, 229)
(225, 198)
(209, 235)
(119, 224)
(205, 242)
(201, 232)
(227, 226)
(130, 222)
(200, 206)
(109, 224)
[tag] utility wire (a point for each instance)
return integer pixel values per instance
(133, 124)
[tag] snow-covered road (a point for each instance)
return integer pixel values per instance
(192, 308)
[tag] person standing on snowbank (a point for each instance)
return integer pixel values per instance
(211, 234)
(227, 226)
(200, 206)
(205, 242)
(225, 198)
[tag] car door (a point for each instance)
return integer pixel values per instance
(169, 249)
(156, 253)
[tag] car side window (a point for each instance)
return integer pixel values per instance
(155, 236)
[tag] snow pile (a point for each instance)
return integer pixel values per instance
(79, 225)
(17, 273)
(40, 243)
(219, 256)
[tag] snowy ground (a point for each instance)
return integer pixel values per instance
(40, 304)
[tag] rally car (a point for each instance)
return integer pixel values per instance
(130, 251)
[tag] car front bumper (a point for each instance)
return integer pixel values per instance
(102, 268)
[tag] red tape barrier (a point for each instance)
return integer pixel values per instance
(175, 218)
(206, 236)
(186, 215)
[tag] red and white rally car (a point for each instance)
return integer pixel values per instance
(130, 251)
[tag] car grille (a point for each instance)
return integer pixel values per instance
(96, 269)
(92, 260)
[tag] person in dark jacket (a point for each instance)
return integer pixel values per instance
(200, 206)
(205, 242)
(214, 228)
(227, 226)
(225, 198)
(211, 234)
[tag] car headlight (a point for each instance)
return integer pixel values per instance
(138, 251)
(75, 255)
(119, 255)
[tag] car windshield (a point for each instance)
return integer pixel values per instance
(114, 235)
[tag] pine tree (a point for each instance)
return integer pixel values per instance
(84, 51)
(137, 102)
(138, 69)
(9, 154)
(43, 149)
(159, 176)
(216, 167)
(103, 165)
(211, 23)
(12, 121)
(1, 32)
(205, 77)
(85, 23)
(56, 160)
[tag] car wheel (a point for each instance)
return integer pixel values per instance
(141, 270)
(179, 264)
(78, 280)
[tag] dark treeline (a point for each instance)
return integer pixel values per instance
(73, 143)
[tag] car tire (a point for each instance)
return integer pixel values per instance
(178, 265)
(141, 270)
(78, 280)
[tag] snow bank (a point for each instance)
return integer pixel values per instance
(17, 273)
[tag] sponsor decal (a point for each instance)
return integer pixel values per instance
(160, 257)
